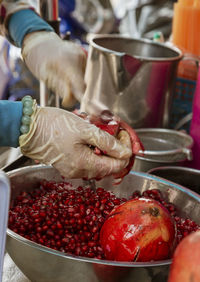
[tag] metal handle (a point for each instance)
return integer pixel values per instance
(185, 151)
(188, 153)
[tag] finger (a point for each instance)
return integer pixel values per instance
(69, 87)
(106, 143)
(69, 101)
(124, 138)
(105, 166)
(78, 87)
(76, 77)
(99, 166)
(136, 143)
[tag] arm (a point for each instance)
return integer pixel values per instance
(62, 139)
(9, 8)
(10, 121)
(62, 67)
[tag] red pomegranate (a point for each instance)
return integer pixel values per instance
(138, 230)
(185, 264)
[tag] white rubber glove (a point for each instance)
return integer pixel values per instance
(63, 139)
(60, 64)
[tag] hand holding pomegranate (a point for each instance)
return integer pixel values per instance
(66, 141)
(60, 64)
(122, 131)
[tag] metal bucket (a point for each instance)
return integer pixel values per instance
(42, 264)
(133, 78)
(187, 177)
(163, 147)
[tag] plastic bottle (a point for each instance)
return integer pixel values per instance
(185, 26)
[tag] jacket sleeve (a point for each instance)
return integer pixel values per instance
(10, 122)
(18, 18)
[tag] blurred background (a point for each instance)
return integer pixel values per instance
(139, 19)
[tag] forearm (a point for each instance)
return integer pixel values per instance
(24, 22)
(18, 18)
(10, 122)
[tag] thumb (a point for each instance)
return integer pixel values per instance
(68, 100)
(78, 88)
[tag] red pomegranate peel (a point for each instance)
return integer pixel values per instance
(137, 148)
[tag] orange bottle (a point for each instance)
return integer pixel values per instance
(185, 26)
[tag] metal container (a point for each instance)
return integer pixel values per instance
(133, 78)
(187, 177)
(163, 147)
(41, 264)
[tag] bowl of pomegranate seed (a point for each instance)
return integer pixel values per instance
(64, 230)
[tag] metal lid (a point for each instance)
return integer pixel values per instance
(165, 144)
(4, 207)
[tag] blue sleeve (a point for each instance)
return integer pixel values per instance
(10, 122)
(23, 22)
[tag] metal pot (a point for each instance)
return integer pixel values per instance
(133, 78)
(187, 177)
(41, 264)
(163, 147)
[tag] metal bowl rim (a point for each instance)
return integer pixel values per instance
(141, 40)
(178, 168)
(84, 259)
(147, 159)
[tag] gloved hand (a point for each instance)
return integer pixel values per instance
(63, 139)
(60, 64)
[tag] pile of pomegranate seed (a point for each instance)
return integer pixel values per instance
(63, 218)
(69, 219)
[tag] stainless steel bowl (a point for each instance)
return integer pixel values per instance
(163, 147)
(41, 264)
(187, 177)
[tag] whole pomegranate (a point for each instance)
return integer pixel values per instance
(185, 264)
(138, 230)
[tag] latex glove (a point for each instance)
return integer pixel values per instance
(62, 139)
(60, 64)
